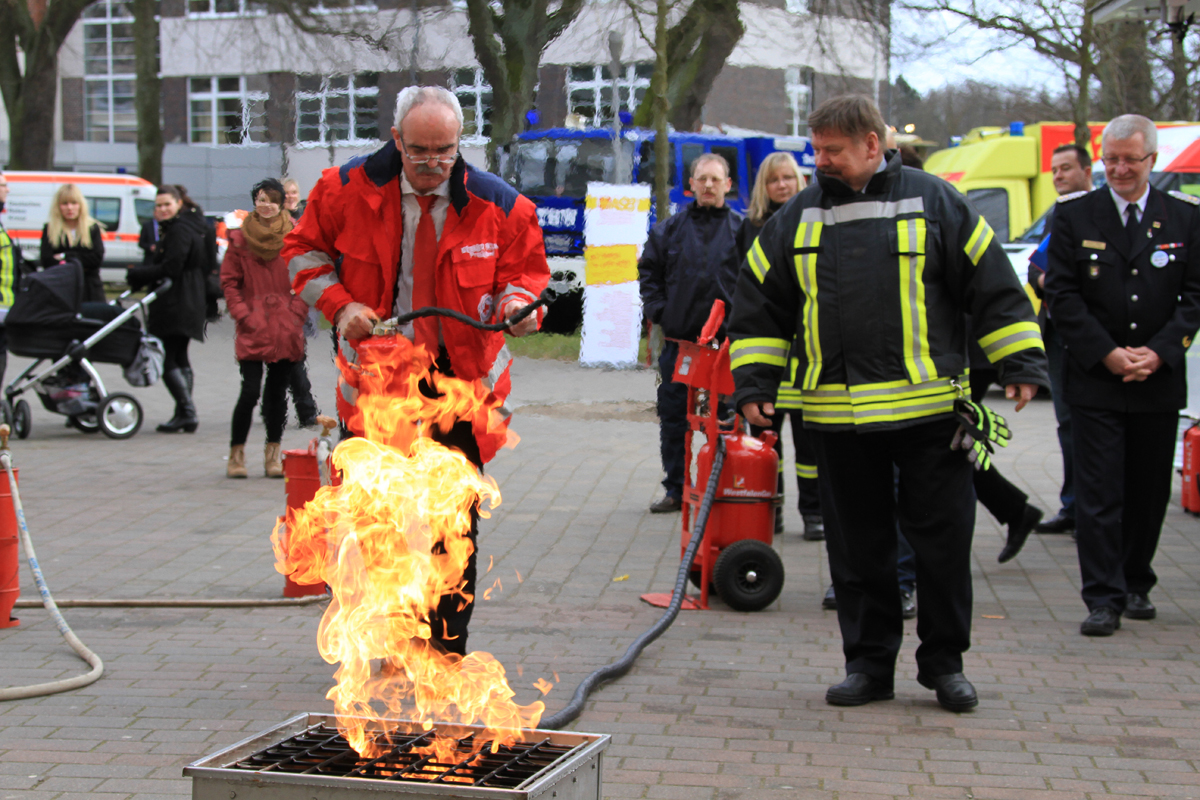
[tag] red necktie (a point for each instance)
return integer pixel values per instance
(424, 275)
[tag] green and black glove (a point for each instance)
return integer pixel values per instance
(979, 430)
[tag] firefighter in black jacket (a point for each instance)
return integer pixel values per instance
(690, 260)
(873, 267)
(1124, 290)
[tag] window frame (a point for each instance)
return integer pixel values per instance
(627, 86)
(474, 91)
(244, 94)
(322, 95)
(109, 78)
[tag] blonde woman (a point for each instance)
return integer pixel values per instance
(72, 232)
(779, 179)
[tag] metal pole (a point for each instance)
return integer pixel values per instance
(616, 43)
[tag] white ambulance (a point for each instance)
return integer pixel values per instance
(120, 203)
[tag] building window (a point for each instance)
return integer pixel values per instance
(110, 114)
(798, 86)
(224, 8)
(589, 91)
(227, 110)
(475, 96)
(337, 109)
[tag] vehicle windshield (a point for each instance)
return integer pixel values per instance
(559, 168)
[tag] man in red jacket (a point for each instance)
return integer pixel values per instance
(413, 226)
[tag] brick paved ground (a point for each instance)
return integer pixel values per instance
(724, 706)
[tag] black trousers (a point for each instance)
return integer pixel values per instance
(808, 492)
(274, 400)
(935, 505)
(1123, 467)
(302, 396)
(1005, 501)
(672, 421)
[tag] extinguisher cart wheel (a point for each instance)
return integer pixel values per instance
(748, 575)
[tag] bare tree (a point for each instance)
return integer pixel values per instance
(1062, 30)
(36, 28)
(509, 37)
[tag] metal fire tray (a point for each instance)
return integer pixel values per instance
(305, 758)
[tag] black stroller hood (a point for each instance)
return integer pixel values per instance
(46, 317)
(52, 297)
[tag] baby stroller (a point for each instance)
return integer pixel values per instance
(48, 322)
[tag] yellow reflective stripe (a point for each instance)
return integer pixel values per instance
(915, 328)
(7, 267)
(758, 262)
(758, 350)
(1011, 339)
(835, 404)
(979, 241)
(788, 398)
(808, 236)
(807, 471)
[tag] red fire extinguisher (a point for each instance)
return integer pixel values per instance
(1191, 470)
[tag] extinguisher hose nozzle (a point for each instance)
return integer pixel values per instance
(622, 666)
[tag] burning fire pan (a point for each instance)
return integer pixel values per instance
(305, 758)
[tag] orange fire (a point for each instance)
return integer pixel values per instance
(372, 539)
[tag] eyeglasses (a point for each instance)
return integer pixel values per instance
(1113, 161)
(429, 159)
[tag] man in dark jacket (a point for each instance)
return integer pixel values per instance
(872, 268)
(690, 260)
(1124, 290)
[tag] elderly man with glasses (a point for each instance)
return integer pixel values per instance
(413, 225)
(1123, 283)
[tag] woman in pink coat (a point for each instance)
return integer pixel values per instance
(270, 324)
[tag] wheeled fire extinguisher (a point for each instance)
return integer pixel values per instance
(1191, 470)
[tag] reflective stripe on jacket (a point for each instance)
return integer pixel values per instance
(873, 286)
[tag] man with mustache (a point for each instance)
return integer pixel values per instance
(413, 225)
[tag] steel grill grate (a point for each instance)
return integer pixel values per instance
(322, 750)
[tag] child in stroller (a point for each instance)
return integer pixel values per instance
(48, 322)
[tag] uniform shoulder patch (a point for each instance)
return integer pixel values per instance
(1187, 198)
(1066, 198)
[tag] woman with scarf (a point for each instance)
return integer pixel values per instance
(269, 323)
(186, 250)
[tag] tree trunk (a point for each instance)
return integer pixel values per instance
(149, 91)
(1082, 104)
(1123, 68)
(1178, 103)
(31, 145)
(662, 107)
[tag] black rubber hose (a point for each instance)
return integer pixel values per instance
(619, 668)
(548, 296)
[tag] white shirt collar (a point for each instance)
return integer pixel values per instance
(441, 190)
(1123, 204)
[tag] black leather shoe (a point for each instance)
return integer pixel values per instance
(908, 604)
(1018, 532)
(954, 692)
(667, 505)
(1138, 606)
(858, 689)
(1059, 523)
(1101, 622)
(814, 528)
(829, 601)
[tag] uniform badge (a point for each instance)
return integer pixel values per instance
(1093, 270)
(1187, 341)
(1092, 244)
(1187, 198)
(1160, 258)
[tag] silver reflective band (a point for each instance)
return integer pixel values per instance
(867, 209)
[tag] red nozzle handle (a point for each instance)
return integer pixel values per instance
(715, 318)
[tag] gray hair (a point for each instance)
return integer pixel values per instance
(1127, 126)
(412, 96)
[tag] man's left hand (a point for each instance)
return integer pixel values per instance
(1145, 363)
(1021, 392)
(527, 325)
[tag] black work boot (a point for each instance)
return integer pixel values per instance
(191, 380)
(185, 411)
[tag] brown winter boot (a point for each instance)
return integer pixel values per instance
(271, 460)
(236, 468)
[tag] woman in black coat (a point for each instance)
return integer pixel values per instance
(71, 232)
(185, 255)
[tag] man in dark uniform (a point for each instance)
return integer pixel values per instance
(873, 267)
(1124, 290)
(1071, 166)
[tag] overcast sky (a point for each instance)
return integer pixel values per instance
(950, 60)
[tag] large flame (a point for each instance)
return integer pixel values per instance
(391, 540)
